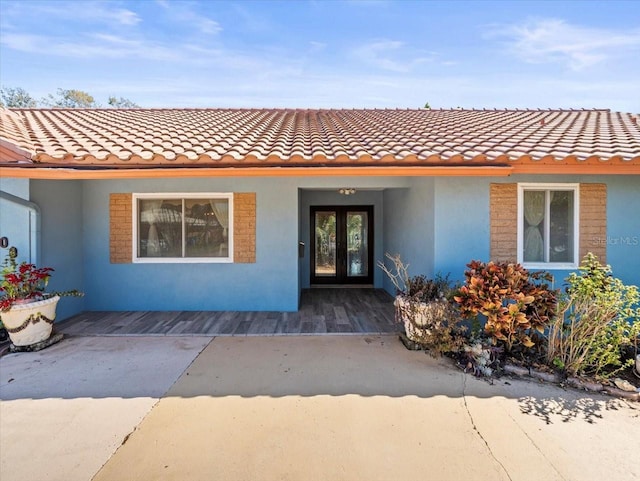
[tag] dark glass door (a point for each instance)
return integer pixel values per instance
(342, 245)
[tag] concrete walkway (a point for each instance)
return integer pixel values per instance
(65, 410)
(295, 408)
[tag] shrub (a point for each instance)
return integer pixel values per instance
(598, 317)
(515, 302)
(418, 288)
(423, 305)
(423, 289)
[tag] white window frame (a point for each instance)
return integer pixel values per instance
(181, 196)
(576, 224)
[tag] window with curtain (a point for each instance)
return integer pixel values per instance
(183, 227)
(547, 225)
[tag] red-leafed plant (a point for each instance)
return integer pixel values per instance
(515, 302)
(24, 282)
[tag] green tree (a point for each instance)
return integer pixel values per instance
(17, 98)
(122, 103)
(427, 106)
(70, 99)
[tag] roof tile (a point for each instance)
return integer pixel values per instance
(238, 137)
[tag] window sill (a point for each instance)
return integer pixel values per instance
(550, 266)
(186, 260)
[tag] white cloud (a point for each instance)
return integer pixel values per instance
(224, 59)
(387, 55)
(206, 25)
(251, 20)
(317, 46)
(556, 41)
(115, 40)
(94, 46)
(21, 42)
(184, 13)
(88, 12)
(122, 16)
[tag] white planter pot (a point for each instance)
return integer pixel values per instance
(415, 315)
(31, 322)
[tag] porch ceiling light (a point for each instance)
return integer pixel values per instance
(347, 191)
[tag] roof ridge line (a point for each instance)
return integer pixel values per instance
(307, 109)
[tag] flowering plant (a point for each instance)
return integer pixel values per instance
(24, 282)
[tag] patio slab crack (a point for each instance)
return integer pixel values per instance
(475, 428)
(536, 446)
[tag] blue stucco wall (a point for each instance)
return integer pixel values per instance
(462, 222)
(60, 247)
(14, 219)
(623, 228)
(436, 224)
(269, 284)
(273, 283)
(62, 242)
(409, 226)
(440, 224)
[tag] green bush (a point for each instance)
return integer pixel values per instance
(598, 317)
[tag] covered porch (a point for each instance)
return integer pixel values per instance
(322, 311)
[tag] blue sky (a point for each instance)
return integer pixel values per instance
(327, 53)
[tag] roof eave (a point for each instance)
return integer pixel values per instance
(41, 172)
(602, 168)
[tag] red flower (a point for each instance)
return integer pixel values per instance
(24, 267)
(24, 282)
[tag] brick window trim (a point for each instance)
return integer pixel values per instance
(244, 228)
(121, 228)
(503, 219)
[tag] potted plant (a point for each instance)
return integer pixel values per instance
(423, 306)
(26, 310)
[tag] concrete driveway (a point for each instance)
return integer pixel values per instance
(294, 408)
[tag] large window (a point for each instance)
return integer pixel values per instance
(183, 227)
(548, 225)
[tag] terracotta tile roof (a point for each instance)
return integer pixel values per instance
(15, 144)
(288, 137)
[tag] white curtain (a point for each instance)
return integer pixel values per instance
(534, 214)
(221, 210)
(150, 214)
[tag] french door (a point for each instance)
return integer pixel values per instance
(342, 245)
